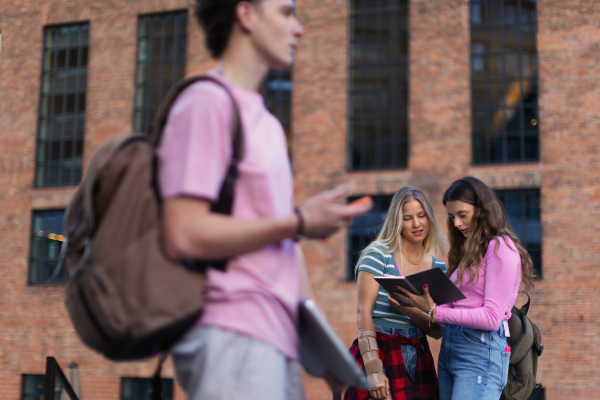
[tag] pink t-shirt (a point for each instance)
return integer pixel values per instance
(489, 301)
(258, 294)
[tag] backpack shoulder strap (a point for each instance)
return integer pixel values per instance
(167, 104)
(523, 346)
(224, 203)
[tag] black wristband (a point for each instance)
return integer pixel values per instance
(300, 231)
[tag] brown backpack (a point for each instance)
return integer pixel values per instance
(126, 299)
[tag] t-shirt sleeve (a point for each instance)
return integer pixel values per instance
(440, 264)
(196, 144)
(500, 275)
(373, 263)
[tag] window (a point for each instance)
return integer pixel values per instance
(161, 51)
(33, 387)
(140, 388)
(364, 229)
(378, 85)
(539, 393)
(46, 240)
(277, 91)
(61, 122)
(523, 209)
(504, 81)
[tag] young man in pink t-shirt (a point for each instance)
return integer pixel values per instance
(245, 344)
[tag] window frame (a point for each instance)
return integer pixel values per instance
(38, 165)
(371, 130)
(280, 101)
(61, 279)
(125, 379)
(381, 204)
(484, 151)
(536, 192)
(146, 110)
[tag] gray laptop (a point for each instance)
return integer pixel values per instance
(321, 349)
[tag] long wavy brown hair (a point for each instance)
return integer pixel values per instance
(489, 221)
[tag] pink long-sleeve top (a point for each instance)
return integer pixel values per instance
(490, 299)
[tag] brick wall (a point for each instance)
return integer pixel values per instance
(568, 173)
(33, 322)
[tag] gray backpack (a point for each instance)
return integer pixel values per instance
(525, 342)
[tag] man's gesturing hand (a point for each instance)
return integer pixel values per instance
(324, 215)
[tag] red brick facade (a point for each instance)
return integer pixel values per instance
(33, 321)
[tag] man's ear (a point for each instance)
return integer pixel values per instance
(246, 15)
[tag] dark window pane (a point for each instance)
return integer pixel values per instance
(479, 95)
(140, 388)
(513, 148)
(495, 40)
(528, 38)
(480, 123)
(478, 42)
(70, 103)
(497, 148)
(497, 94)
(531, 148)
(477, 13)
(61, 59)
(495, 65)
(478, 67)
(495, 13)
(84, 56)
(511, 12)
(73, 53)
(511, 65)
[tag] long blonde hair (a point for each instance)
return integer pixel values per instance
(390, 237)
(489, 221)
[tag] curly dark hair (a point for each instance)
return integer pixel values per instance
(216, 17)
(489, 221)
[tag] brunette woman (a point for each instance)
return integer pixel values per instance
(391, 343)
(488, 262)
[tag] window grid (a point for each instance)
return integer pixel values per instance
(378, 85)
(46, 240)
(364, 229)
(277, 92)
(161, 56)
(33, 386)
(523, 208)
(140, 388)
(61, 122)
(504, 81)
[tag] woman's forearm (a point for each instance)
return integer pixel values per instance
(365, 321)
(421, 319)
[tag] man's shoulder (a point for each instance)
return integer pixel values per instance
(206, 92)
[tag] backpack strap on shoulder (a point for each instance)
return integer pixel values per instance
(226, 194)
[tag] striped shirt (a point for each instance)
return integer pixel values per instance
(384, 264)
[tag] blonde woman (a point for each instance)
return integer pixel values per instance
(391, 344)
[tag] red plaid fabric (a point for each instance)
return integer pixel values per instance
(423, 386)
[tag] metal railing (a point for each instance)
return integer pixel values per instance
(53, 374)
